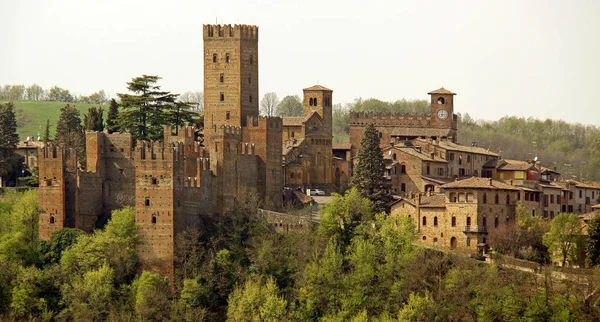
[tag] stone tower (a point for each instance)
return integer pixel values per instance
(319, 98)
(230, 75)
(442, 108)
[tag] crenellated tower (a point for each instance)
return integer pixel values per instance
(230, 75)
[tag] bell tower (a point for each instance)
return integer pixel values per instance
(319, 99)
(442, 108)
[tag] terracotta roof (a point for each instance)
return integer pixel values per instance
(479, 183)
(442, 90)
(419, 131)
(433, 201)
(464, 148)
(342, 146)
(437, 180)
(547, 170)
(596, 206)
(317, 88)
(293, 120)
(492, 163)
(411, 151)
(515, 165)
(588, 185)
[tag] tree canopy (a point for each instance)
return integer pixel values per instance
(290, 105)
(368, 177)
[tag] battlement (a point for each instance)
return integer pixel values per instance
(249, 32)
(183, 132)
(359, 118)
(154, 150)
(226, 132)
(50, 152)
(264, 121)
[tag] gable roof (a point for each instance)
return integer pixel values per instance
(293, 120)
(515, 165)
(448, 145)
(317, 88)
(479, 183)
(342, 146)
(442, 90)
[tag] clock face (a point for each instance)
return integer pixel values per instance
(442, 114)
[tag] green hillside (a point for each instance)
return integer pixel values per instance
(32, 115)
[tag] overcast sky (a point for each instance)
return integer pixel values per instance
(528, 58)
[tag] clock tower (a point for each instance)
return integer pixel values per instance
(442, 108)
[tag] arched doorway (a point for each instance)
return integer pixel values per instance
(337, 177)
(453, 243)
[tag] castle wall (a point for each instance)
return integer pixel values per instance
(89, 201)
(51, 193)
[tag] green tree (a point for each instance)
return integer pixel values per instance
(368, 177)
(257, 301)
(69, 132)
(58, 94)
(26, 302)
(341, 123)
(46, 137)
(112, 116)
(93, 120)
(420, 308)
(344, 214)
(290, 105)
(90, 296)
(51, 251)
(151, 297)
(8, 138)
(145, 112)
(565, 230)
(181, 114)
(21, 244)
(593, 246)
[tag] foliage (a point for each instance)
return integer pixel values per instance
(112, 116)
(69, 132)
(90, 296)
(8, 138)
(46, 137)
(341, 123)
(257, 301)
(20, 245)
(151, 297)
(593, 246)
(58, 94)
(93, 120)
(368, 177)
(180, 115)
(52, 250)
(565, 230)
(195, 99)
(268, 104)
(144, 112)
(290, 105)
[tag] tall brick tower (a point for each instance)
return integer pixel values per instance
(230, 75)
(319, 98)
(442, 108)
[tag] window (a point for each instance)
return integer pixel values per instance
(551, 198)
(428, 169)
(227, 58)
(147, 202)
(470, 197)
(310, 101)
(403, 168)
(435, 240)
(228, 115)
(249, 80)
(424, 238)
(214, 58)
(461, 197)
(533, 213)
(484, 222)
(440, 172)
(468, 158)
(496, 222)
(496, 199)
(484, 198)
(453, 221)
(580, 194)
(222, 77)
(461, 171)
(250, 99)
(468, 241)
(291, 175)
(52, 220)
(394, 156)
(460, 159)
(292, 134)
(451, 157)
(315, 101)
(222, 97)
(403, 187)
(380, 135)
(424, 221)
(558, 201)
(508, 199)
(468, 221)
(154, 219)
(435, 221)
(154, 181)
(251, 59)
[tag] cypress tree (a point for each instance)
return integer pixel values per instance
(69, 132)
(47, 131)
(368, 177)
(8, 138)
(112, 124)
(593, 246)
(94, 119)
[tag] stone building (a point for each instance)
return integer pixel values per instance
(307, 142)
(462, 216)
(28, 149)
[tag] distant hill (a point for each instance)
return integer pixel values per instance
(32, 115)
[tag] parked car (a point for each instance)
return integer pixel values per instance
(317, 192)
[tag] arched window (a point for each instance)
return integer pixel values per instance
(453, 221)
(424, 221)
(507, 199)
(496, 222)
(310, 101)
(315, 101)
(154, 219)
(497, 199)
(484, 221)
(227, 58)
(441, 100)
(435, 221)
(484, 197)
(453, 197)
(468, 221)
(424, 238)
(403, 168)
(470, 197)
(147, 202)
(52, 219)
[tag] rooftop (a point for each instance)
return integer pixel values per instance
(342, 146)
(442, 90)
(317, 88)
(479, 183)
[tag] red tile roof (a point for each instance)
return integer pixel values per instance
(441, 90)
(479, 183)
(317, 88)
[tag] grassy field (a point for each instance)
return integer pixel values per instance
(32, 115)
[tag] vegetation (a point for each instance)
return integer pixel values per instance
(290, 105)
(356, 265)
(368, 178)
(93, 120)
(69, 132)
(8, 140)
(268, 104)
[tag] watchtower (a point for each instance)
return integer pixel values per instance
(319, 98)
(442, 108)
(230, 75)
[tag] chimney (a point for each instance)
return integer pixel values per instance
(491, 182)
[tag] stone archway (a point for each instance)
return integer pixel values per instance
(453, 243)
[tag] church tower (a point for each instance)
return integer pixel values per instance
(230, 75)
(442, 108)
(319, 98)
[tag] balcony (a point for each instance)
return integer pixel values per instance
(475, 229)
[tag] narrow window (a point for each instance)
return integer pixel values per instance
(468, 241)
(214, 58)
(227, 58)
(468, 221)
(428, 169)
(310, 101)
(315, 101)
(508, 199)
(496, 222)
(251, 59)
(222, 97)
(403, 168)
(424, 221)
(147, 202)
(453, 221)
(250, 99)
(484, 222)
(154, 181)
(435, 221)
(496, 199)
(403, 187)
(484, 198)
(222, 78)
(51, 219)
(380, 134)
(292, 134)
(394, 156)
(154, 219)
(228, 115)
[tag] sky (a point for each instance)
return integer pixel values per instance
(518, 58)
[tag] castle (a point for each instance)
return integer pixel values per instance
(179, 182)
